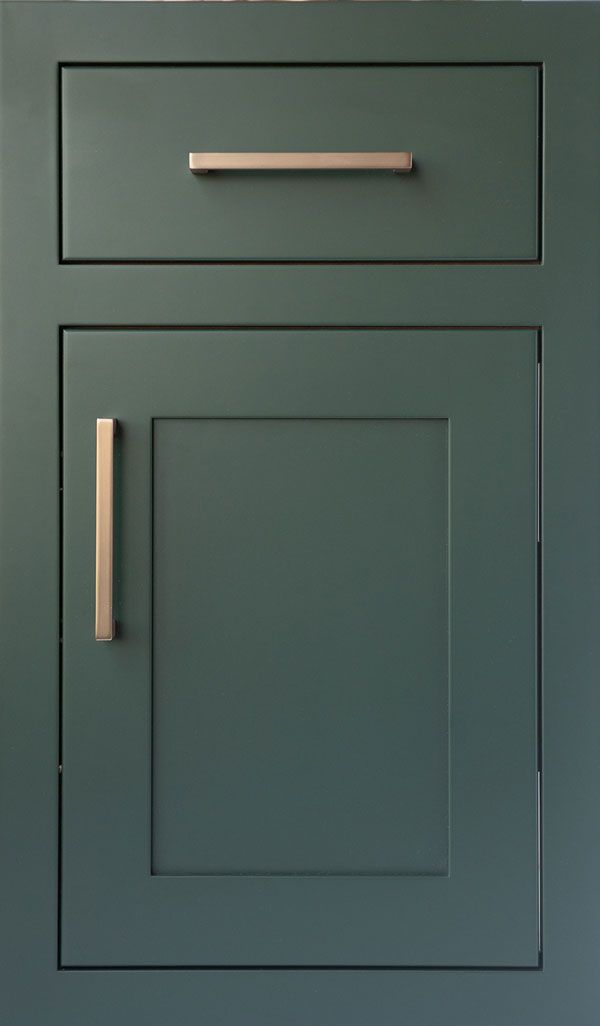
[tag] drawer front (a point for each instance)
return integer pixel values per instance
(472, 194)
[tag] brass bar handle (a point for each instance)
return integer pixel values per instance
(105, 433)
(202, 163)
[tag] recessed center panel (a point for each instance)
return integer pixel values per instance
(300, 652)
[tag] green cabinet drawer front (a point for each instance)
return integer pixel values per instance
(295, 750)
(127, 133)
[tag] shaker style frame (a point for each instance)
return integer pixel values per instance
(40, 297)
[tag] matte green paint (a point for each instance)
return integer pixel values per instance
(39, 296)
(300, 684)
(417, 640)
(473, 193)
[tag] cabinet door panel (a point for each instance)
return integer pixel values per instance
(313, 740)
(300, 646)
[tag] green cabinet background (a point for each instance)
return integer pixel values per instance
(339, 763)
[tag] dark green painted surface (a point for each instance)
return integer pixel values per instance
(397, 578)
(300, 646)
(473, 194)
(39, 296)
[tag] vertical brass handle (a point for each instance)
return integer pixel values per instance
(105, 433)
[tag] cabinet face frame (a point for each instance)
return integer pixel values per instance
(39, 297)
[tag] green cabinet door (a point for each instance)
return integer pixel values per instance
(339, 765)
(313, 738)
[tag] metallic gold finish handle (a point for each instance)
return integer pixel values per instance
(105, 432)
(202, 163)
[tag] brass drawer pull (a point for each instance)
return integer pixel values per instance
(202, 163)
(105, 432)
